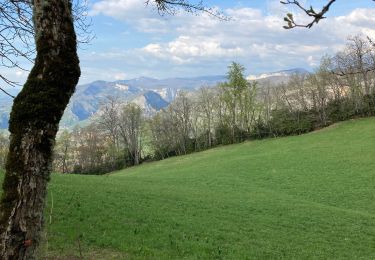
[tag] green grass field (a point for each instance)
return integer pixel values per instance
(302, 197)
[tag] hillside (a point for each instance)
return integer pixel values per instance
(302, 197)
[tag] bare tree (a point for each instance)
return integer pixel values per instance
(267, 105)
(354, 70)
(207, 106)
(130, 120)
(249, 106)
(62, 151)
(91, 150)
(360, 56)
(318, 85)
(109, 120)
(162, 135)
(181, 111)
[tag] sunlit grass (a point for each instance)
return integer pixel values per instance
(302, 197)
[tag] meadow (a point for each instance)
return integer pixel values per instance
(301, 197)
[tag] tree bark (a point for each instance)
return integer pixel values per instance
(34, 120)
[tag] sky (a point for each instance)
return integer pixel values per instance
(133, 40)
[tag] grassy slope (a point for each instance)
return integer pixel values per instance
(304, 197)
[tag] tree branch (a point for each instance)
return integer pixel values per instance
(17, 32)
(317, 16)
(171, 7)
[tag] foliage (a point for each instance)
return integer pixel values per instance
(284, 122)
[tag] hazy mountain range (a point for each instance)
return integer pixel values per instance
(149, 93)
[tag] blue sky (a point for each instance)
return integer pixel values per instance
(133, 40)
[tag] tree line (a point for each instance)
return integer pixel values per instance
(342, 87)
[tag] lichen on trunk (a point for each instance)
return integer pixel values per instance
(33, 125)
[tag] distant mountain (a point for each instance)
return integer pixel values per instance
(179, 83)
(155, 101)
(276, 77)
(149, 93)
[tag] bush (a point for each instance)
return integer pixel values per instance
(283, 122)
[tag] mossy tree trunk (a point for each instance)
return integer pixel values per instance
(34, 121)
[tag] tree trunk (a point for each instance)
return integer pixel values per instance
(136, 157)
(209, 138)
(33, 124)
(65, 155)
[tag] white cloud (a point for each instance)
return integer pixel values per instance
(253, 35)
(199, 44)
(154, 49)
(118, 8)
(119, 76)
(360, 17)
(133, 12)
(312, 61)
(186, 49)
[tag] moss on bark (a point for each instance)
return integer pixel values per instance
(33, 125)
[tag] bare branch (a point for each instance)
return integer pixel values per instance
(17, 32)
(317, 16)
(172, 6)
(358, 58)
(7, 93)
(346, 73)
(371, 41)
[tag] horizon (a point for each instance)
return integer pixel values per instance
(248, 76)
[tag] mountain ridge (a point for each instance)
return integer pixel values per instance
(150, 93)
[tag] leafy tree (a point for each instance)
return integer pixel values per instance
(206, 105)
(233, 92)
